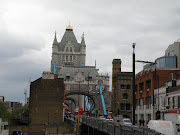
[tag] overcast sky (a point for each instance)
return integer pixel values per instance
(27, 31)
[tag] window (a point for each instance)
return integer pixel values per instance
(122, 106)
(176, 102)
(148, 85)
(89, 78)
(128, 106)
(67, 49)
(157, 102)
(141, 86)
(67, 58)
(141, 103)
(67, 76)
(63, 57)
(128, 87)
(162, 98)
(125, 96)
(70, 49)
(122, 87)
(74, 57)
(148, 102)
(70, 58)
(135, 89)
(170, 103)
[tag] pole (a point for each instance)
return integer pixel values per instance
(64, 102)
(88, 93)
(134, 97)
(158, 92)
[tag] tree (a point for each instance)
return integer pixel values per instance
(4, 114)
(22, 111)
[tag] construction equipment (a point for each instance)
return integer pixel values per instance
(102, 100)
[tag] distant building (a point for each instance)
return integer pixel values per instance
(122, 91)
(2, 98)
(13, 106)
(167, 98)
(155, 76)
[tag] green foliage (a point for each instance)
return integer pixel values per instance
(22, 111)
(4, 114)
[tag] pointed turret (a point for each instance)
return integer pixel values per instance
(83, 49)
(55, 39)
(82, 40)
(55, 45)
(55, 51)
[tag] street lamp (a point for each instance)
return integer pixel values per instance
(134, 97)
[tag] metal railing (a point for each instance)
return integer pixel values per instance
(113, 128)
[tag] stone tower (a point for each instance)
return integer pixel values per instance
(69, 62)
(68, 52)
(116, 67)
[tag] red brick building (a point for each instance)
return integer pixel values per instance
(146, 82)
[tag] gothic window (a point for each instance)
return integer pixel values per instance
(67, 49)
(125, 96)
(70, 49)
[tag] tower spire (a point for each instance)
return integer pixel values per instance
(55, 39)
(82, 40)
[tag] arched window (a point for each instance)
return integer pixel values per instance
(70, 49)
(128, 87)
(125, 96)
(122, 87)
(122, 106)
(128, 106)
(67, 49)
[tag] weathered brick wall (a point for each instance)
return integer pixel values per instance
(22, 128)
(46, 98)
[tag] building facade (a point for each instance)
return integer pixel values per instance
(12, 106)
(68, 52)
(167, 98)
(155, 76)
(69, 62)
(122, 91)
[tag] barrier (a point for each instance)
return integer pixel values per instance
(113, 128)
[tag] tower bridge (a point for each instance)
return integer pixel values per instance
(69, 62)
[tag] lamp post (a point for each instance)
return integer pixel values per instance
(134, 97)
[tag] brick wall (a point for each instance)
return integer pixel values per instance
(46, 98)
